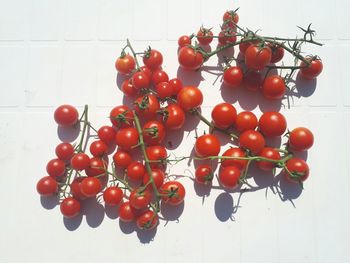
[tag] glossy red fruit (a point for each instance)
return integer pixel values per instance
(66, 115)
(47, 186)
(70, 207)
(234, 152)
(277, 52)
(64, 151)
(246, 120)
(176, 85)
(204, 174)
(233, 76)
(107, 134)
(224, 115)
(147, 220)
(257, 58)
(229, 176)
(313, 70)
(91, 186)
(140, 199)
(252, 81)
(75, 188)
(125, 64)
(153, 132)
(299, 170)
(164, 90)
(158, 178)
(189, 98)
(252, 141)
(135, 171)
(96, 167)
(272, 124)
(55, 168)
(122, 159)
(174, 193)
(159, 76)
(113, 195)
(207, 145)
(204, 36)
(126, 138)
(80, 161)
(147, 106)
(301, 139)
(140, 80)
(190, 59)
(98, 148)
(269, 153)
(121, 116)
(174, 117)
(128, 88)
(127, 213)
(153, 59)
(274, 87)
(184, 41)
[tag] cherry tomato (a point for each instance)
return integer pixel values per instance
(98, 148)
(229, 176)
(125, 64)
(140, 80)
(127, 213)
(122, 159)
(128, 89)
(140, 199)
(90, 186)
(106, 134)
(176, 85)
(96, 167)
(70, 207)
(80, 161)
(153, 132)
(174, 191)
(299, 170)
(190, 59)
(246, 120)
(243, 46)
(272, 124)
(227, 37)
(269, 153)
(153, 59)
(301, 139)
(64, 151)
(252, 141)
(121, 116)
(75, 188)
(164, 90)
(184, 41)
(277, 52)
(256, 57)
(126, 138)
(174, 118)
(66, 115)
(224, 115)
(159, 76)
(156, 153)
(234, 152)
(135, 171)
(313, 70)
(231, 16)
(207, 145)
(113, 195)
(147, 106)
(147, 220)
(204, 36)
(147, 71)
(189, 98)
(47, 186)
(55, 168)
(204, 174)
(158, 178)
(274, 87)
(233, 76)
(252, 81)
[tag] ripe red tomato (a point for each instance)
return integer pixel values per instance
(234, 152)
(98, 148)
(128, 88)
(140, 199)
(313, 70)
(96, 167)
(135, 171)
(229, 176)
(176, 85)
(153, 132)
(256, 57)
(147, 220)
(204, 36)
(243, 46)
(272, 124)
(204, 174)
(127, 138)
(75, 188)
(301, 139)
(90, 186)
(121, 116)
(125, 64)
(47, 186)
(174, 191)
(190, 59)
(113, 195)
(184, 41)
(153, 59)
(207, 145)
(252, 81)
(64, 151)
(107, 134)
(158, 178)
(70, 207)
(269, 153)
(147, 71)
(252, 141)
(140, 80)
(159, 76)
(80, 161)
(227, 37)
(274, 87)
(233, 76)
(277, 52)
(224, 115)
(174, 117)
(164, 90)
(55, 168)
(66, 115)
(246, 120)
(189, 98)
(127, 213)
(299, 169)
(157, 153)
(122, 159)
(147, 106)
(230, 16)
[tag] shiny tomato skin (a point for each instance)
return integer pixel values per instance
(297, 165)
(207, 145)
(64, 151)
(313, 70)
(227, 37)
(158, 178)
(147, 106)
(75, 188)
(252, 141)
(80, 161)
(128, 88)
(157, 153)
(252, 81)
(153, 132)
(189, 98)
(140, 80)
(121, 116)
(246, 120)
(204, 36)
(233, 76)
(277, 52)
(55, 168)
(257, 58)
(140, 199)
(153, 59)
(135, 171)
(70, 207)
(272, 124)
(175, 117)
(224, 115)
(66, 115)
(47, 186)
(122, 159)
(269, 153)
(98, 148)
(147, 71)
(127, 213)
(164, 90)
(204, 174)
(234, 152)
(159, 76)
(301, 139)
(125, 64)
(147, 220)
(229, 176)
(274, 87)
(190, 59)
(96, 167)
(127, 138)
(184, 41)
(176, 85)
(230, 16)
(106, 134)
(176, 190)
(113, 195)
(91, 186)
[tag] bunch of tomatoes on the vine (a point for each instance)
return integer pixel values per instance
(138, 185)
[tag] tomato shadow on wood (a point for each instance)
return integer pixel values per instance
(111, 211)
(72, 224)
(68, 134)
(171, 212)
(304, 87)
(146, 236)
(189, 78)
(94, 212)
(173, 139)
(225, 208)
(49, 202)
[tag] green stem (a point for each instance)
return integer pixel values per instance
(133, 53)
(86, 123)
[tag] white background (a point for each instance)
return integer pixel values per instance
(63, 51)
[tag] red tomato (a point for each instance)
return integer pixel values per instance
(64, 151)
(269, 153)
(135, 171)
(98, 148)
(66, 115)
(174, 191)
(75, 188)
(224, 115)
(158, 178)
(204, 36)
(107, 134)
(140, 80)
(184, 41)
(159, 76)
(174, 118)
(233, 76)
(229, 176)
(252, 141)
(90, 186)
(96, 167)
(256, 57)
(164, 90)
(128, 89)
(189, 98)
(70, 207)
(125, 64)
(301, 139)
(127, 138)
(272, 124)
(153, 59)
(234, 152)
(47, 186)
(153, 132)
(140, 199)
(147, 220)
(55, 168)
(113, 195)
(227, 37)
(252, 81)
(204, 174)
(299, 170)
(230, 16)
(176, 85)
(156, 153)
(121, 116)
(147, 71)
(246, 120)
(313, 70)
(147, 106)
(274, 87)
(189, 58)
(243, 46)
(80, 161)
(122, 159)
(277, 52)
(207, 145)
(127, 213)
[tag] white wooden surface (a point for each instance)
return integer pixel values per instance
(63, 51)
